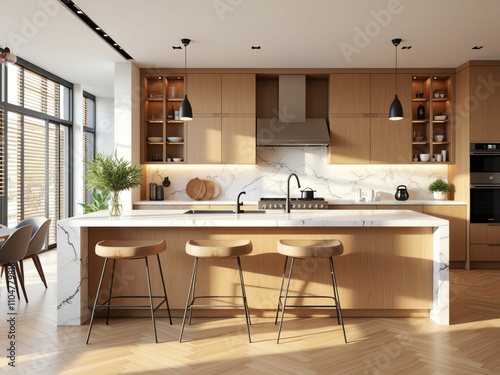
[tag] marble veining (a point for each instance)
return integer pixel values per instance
(268, 177)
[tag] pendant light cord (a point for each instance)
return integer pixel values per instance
(185, 68)
(396, 70)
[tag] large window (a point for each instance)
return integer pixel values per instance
(89, 117)
(36, 143)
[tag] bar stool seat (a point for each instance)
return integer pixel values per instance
(130, 250)
(216, 249)
(301, 249)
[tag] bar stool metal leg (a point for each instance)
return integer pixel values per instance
(281, 291)
(285, 299)
(244, 297)
(340, 319)
(190, 297)
(164, 289)
(108, 301)
(95, 301)
(151, 299)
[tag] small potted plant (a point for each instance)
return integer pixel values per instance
(113, 174)
(439, 188)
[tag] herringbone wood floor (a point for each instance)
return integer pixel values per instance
(471, 345)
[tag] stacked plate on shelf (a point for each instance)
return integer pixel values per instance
(202, 189)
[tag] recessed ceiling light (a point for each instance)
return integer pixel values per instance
(406, 47)
(477, 47)
(176, 47)
(90, 23)
(255, 47)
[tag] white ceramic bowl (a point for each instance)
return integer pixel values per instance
(438, 138)
(425, 157)
(175, 139)
(177, 159)
(440, 117)
(155, 139)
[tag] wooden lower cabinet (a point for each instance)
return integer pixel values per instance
(485, 243)
(457, 216)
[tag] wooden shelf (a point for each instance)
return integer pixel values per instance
(419, 121)
(175, 99)
(419, 99)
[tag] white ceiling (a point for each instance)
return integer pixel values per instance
(291, 33)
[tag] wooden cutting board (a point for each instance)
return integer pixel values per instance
(196, 188)
(209, 193)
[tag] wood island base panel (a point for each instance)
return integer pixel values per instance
(395, 262)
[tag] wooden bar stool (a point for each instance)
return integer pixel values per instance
(301, 249)
(130, 250)
(216, 249)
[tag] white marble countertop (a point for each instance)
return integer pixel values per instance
(272, 218)
(333, 202)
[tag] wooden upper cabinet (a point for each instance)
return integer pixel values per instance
(238, 140)
(350, 93)
(204, 140)
(383, 88)
(204, 93)
(349, 140)
(484, 104)
(238, 93)
(390, 141)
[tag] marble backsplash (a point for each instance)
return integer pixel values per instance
(268, 178)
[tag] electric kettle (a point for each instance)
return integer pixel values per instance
(401, 193)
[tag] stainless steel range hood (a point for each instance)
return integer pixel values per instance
(291, 128)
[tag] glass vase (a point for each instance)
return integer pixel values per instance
(115, 205)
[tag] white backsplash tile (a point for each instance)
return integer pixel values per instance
(274, 164)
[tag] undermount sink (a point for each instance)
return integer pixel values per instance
(209, 212)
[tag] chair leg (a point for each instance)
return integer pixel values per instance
(285, 299)
(281, 291)
(164, 289)
(189, 297)
(151, 299)
(111, 282)
(340, 319)
(38, 266)
(21, 280)
(96, 298)
(244, 297)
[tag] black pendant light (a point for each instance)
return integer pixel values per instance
(185, 111)
(396, 110)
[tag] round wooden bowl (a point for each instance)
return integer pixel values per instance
(196, 188)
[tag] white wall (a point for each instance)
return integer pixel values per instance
(105, 112)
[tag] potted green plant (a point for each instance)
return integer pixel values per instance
(439, 188)
(113, 174)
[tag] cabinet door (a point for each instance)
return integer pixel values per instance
(204, 140)
(350, 93)
(457, 216)
(484, 99)
(204, 93)
(390, 141)
(349, 140)
(383, 88)
(238, 140)
(238, 93)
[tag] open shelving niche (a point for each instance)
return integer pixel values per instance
(162, 94)
(435, 97)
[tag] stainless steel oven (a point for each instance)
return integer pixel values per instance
(485, 183)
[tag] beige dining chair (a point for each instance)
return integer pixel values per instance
(12, 251)
(41, 226)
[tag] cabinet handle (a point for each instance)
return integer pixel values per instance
(494, 244)
(494, 224)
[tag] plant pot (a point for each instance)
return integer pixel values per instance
(439, 195)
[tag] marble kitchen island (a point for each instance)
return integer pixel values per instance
(395, 262)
